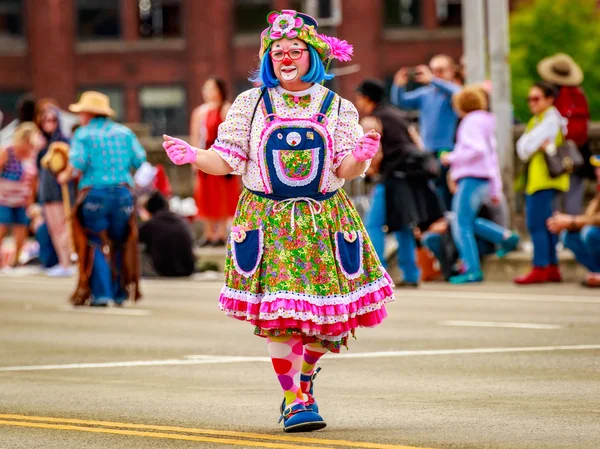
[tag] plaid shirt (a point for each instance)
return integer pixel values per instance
(105, 152)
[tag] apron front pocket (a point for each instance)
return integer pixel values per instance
(349, 252)
(297, 167)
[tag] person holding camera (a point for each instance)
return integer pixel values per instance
(437, 118)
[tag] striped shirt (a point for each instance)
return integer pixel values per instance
(105, 152)
(16, 180)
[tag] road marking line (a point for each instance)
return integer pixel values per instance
(106, 310)
(169, 436)
(207, 359)
(500, 324)
(539, 297)
(223, 433)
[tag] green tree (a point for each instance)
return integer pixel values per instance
(541, 28)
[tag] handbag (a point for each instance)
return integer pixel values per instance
(566, 159)
(420, 164)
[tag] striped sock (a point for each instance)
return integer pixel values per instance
(312, 353)
(287, 355)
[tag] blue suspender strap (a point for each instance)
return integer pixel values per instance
(326, 103)
(268, 104)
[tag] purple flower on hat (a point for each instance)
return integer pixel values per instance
(284, 24)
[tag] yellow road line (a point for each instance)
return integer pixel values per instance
(168, 436)
(220, 433)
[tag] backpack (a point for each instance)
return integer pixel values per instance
(572, 105)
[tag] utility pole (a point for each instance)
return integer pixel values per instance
(473, 19)
(499, 51)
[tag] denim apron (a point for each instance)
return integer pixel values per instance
(296, 154)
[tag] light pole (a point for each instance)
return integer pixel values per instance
(499, 52)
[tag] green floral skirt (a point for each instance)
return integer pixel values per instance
(303, 267)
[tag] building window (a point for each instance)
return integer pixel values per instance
(164, 108)
(449, 13)
(11, 18)
(251, 15)
(160, 18)
(8, 107)
(98, 19)
(116, 97)
(402, 13)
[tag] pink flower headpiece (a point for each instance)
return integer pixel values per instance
(287, 24)
(291, 24)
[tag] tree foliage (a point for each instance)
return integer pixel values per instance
(541, 28)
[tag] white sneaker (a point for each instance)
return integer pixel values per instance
(60, 271)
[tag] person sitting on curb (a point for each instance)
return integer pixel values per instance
(581, 233)
(491, 235)
(168, 241)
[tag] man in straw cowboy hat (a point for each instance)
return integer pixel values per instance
(582, 233)
(563, 72)
(104, 228)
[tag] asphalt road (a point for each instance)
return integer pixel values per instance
(488, 366)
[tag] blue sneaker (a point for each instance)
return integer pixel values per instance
(467, 278)
(313, 404)
(297, 418)
(100, 302)
(508, 245)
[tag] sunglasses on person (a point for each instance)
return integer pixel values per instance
(534, 99)
(50, 120)
(294, 54)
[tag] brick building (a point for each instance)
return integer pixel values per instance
(152, 56)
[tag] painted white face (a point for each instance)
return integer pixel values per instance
(291, 60)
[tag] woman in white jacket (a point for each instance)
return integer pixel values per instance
(544, 133)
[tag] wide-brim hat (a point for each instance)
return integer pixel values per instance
(560, 69)
(94, 103)
(595, 160)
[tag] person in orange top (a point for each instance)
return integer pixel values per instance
(216, 196)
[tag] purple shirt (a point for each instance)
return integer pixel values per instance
(475, 154)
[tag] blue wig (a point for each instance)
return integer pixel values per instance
(265, 74)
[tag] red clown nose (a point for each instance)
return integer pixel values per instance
(287, 61)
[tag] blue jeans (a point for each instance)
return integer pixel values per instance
(470, 195)
(375, 221)
(538, 208)
(48, 257)
(487, 235)
(13, 216)
(586, 246)
(107, 209)
(441, 183)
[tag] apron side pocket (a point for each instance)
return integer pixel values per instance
(349, 253)
(247, 251)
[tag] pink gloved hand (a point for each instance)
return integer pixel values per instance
(367, 146)
(179, 151)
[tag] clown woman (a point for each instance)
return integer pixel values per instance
(300, 266)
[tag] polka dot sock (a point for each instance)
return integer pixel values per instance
(287, 357)
(312, 353)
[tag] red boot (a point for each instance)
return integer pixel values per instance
(537, 275)
(553, 273)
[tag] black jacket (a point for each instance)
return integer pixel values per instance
(406, 173)
(169, 244)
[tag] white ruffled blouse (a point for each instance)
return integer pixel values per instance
(238, 140)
